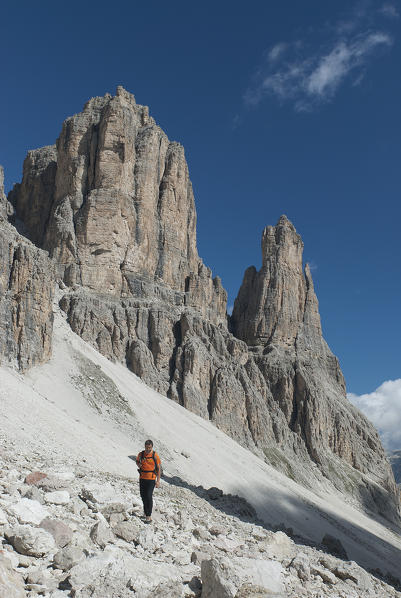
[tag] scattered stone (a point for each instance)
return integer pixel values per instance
(128, 530)
(278, 546)
(59, 497)
(34, 493)
(11, 556)
(52, 482)
(34, 477)
(201, 533)
(197, 557)
(68, 557)
(101, 534)
(61, 533)
(217, 529)
(11, 583)
(301, 564)
(223, 578)
(28, 511)
(42, 578)
(31, 541)
(326, 575)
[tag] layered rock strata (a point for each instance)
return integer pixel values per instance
(5, 206)
(26, 297)
(113, 204)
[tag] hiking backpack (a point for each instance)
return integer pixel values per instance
(142, 458)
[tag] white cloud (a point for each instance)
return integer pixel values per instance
(276, 51)
(383, 408)
(332, 69)
(307, 77)
(389, 10)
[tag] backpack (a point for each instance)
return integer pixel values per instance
(142, 458)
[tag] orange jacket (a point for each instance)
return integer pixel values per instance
(147, 465)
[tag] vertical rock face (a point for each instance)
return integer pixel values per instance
(5, 206)
(26, 294)
(113, 204)
(34, 195)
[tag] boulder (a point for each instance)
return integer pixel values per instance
(278, 546)
(61, 533)
(104, 497)
(128, 530)
(34, 477)
(28, 511)
(68, 557)
(43, 578)
(52, 483)
(59, 497)
(223, 578)
(31, 541)
(11, 583)
(103, 574)
(101, 534)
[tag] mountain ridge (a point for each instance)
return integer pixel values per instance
(113, 205)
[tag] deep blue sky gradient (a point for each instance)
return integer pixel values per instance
(334, 170)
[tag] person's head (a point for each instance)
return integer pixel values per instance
(148, 445)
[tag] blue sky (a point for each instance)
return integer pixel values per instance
(282, 107)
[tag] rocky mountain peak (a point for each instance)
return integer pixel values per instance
(271, 303)
(112, 203)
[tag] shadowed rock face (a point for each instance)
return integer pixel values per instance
(26, 296)
(5, 206)
(113, 205)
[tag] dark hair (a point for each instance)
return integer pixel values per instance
(148, 442)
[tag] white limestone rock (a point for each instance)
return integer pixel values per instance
(11, 583)
(28, 511)
(31, 541)
(59, 497)
(223, 578)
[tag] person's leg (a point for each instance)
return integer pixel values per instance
(142, 490)
(148, 500)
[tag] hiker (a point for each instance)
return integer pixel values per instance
(149, 469)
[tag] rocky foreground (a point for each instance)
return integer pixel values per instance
(67, 531)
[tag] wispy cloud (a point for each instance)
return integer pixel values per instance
(383, 408)
(389, 10)
(276, 51)
(307, 73)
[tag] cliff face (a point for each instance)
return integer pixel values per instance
(26, 296)
(5, 206)
(112, 203)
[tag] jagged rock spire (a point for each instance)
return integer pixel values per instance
(272, 303)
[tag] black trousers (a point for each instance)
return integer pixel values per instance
(146, 488)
